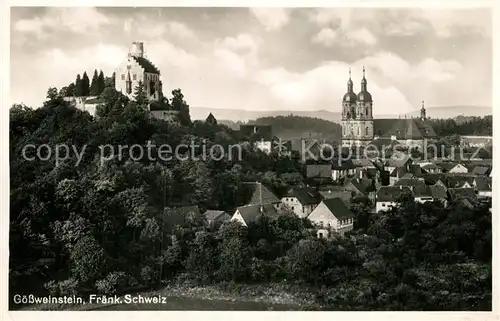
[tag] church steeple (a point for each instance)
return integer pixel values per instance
(363, 81)
(350, 85)
(422, 112)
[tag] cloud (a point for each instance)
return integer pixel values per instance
(318, 89)
(272, 18)
(399, 70)
(77, 20)
(404, 22)
(325, 37)
(362, 35)
(181, 30)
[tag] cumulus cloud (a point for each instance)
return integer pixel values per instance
(326, 37)
(428, 70)
(77, 20)
(272, 18)
(318, 89)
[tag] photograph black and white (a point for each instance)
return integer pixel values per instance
(250, 159)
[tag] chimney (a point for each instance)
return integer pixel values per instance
(137, 49)
(361, 174)
(261, 208)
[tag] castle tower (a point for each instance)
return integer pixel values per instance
(137, 49)
(357, 115)
(422, 112)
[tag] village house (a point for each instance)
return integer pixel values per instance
(338, 192)
(411, 183)
(422, 194)
(439, 194)
(332, 215)
(387, 197)
(398, 173)
(301, 201)
(211, 119)
(259, 135)
(248, 214)
(431, 168)
(361, 187)
(397, 160)
(261, 195)
(451, 167)
(342, 169)
(458, 181)
(216, 218)
(483, 186)
(319, 173)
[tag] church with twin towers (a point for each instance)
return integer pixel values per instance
(359, 128)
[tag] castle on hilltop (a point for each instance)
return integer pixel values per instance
(136, 69)
(359, 128)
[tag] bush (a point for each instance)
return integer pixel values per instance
(114, 283)
(68, 287)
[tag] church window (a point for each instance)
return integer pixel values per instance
(367, 130)
(134, 76)
(123, 76)
(358, 131)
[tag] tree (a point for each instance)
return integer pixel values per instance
(94, 90)
(178, 103)
(52, 93)
(79, 86)
(100, 83)
(85, 84)
(141, 97)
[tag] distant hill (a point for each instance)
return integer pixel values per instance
(235, 115)
(293, 127)
(246, 115)
(455, 111)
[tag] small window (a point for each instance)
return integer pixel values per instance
(123, 76)
(292, 208)
(134, 76)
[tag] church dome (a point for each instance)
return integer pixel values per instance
(349, 97)
(364, 96)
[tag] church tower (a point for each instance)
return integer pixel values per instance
(423, 115)
(357, 115)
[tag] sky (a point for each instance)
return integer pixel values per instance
(264, 58)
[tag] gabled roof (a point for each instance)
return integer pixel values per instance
(305, 195)
(363, 185)
(262, 195)
(432, 178)
(484, 184)
(430, 166)
(410, 182)
(422, 191)
(391, 193)
(438, 191)
(398, 160)
(448, 166)
(398, 172)
(147, 65)
(338, 208)
(481, 170)
(213, 214)
(458, 181)
(319, 171)
(251, 213)
(415, 170)
(211, 119)
(345, 196)
(407, 128)
(256, 132)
